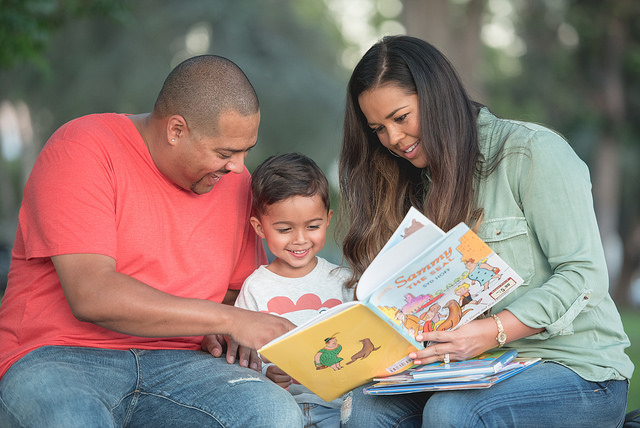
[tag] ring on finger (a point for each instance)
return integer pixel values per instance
(446, 359)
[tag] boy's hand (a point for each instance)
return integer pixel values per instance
(279, 377)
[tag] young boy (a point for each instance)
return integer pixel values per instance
(291, 211)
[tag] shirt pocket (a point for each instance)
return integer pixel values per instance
(509, 238)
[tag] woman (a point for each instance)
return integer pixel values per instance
(412, 137)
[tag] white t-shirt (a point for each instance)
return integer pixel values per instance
(298, 300)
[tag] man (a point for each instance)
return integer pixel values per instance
(131, 235)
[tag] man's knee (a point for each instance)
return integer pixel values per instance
(42, 393)
(278, 407)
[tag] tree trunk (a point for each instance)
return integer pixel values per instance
(606, 175)
(432, 21)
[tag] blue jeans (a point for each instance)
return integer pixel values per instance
(57, 386)
(318, 416)
(545, 395)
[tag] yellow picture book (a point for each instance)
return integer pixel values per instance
(422, 280)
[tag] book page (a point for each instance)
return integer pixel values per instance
(414, 234)
(412, 222)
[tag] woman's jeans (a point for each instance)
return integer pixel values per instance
(545, 395)
(57, 386)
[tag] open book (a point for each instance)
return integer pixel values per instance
(422, 280)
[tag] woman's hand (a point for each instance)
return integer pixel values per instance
(470, 340)
(461, 344)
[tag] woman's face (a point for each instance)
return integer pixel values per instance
(393, 115)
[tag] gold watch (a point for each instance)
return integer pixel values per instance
(501, 338)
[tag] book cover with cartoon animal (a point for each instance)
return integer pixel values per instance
(341, 349)
(423, 280)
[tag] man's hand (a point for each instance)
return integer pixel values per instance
(256, 329)
(215, 344)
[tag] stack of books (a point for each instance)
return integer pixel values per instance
(481, 372)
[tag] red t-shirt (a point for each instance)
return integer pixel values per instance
(95, 189)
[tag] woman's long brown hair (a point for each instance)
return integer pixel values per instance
(376, 188)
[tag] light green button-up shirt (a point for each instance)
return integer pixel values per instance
(539, 218)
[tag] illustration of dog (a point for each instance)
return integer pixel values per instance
(367, 348)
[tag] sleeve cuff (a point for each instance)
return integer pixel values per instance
(265, 366)
(564, 324)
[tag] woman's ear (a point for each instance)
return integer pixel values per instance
(257, 226)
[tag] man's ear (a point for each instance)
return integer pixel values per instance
(257, 226)
(176, 128)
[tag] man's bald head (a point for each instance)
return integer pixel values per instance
(201, 88)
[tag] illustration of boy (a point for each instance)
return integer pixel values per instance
(291, 211)
(328, 356)
(462, 291)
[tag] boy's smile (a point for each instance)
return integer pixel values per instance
(295, 230)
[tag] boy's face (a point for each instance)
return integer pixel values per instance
(295, 230)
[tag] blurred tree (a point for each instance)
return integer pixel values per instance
(289, 49)
(454, 28)
(27, 26)
(582, 67)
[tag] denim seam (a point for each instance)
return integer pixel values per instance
(188, 406)
(402, 421)
(136, 393)
(139, 391)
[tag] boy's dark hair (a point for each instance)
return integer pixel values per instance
(284, 176)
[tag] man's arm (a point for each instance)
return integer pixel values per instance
(98, 294)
